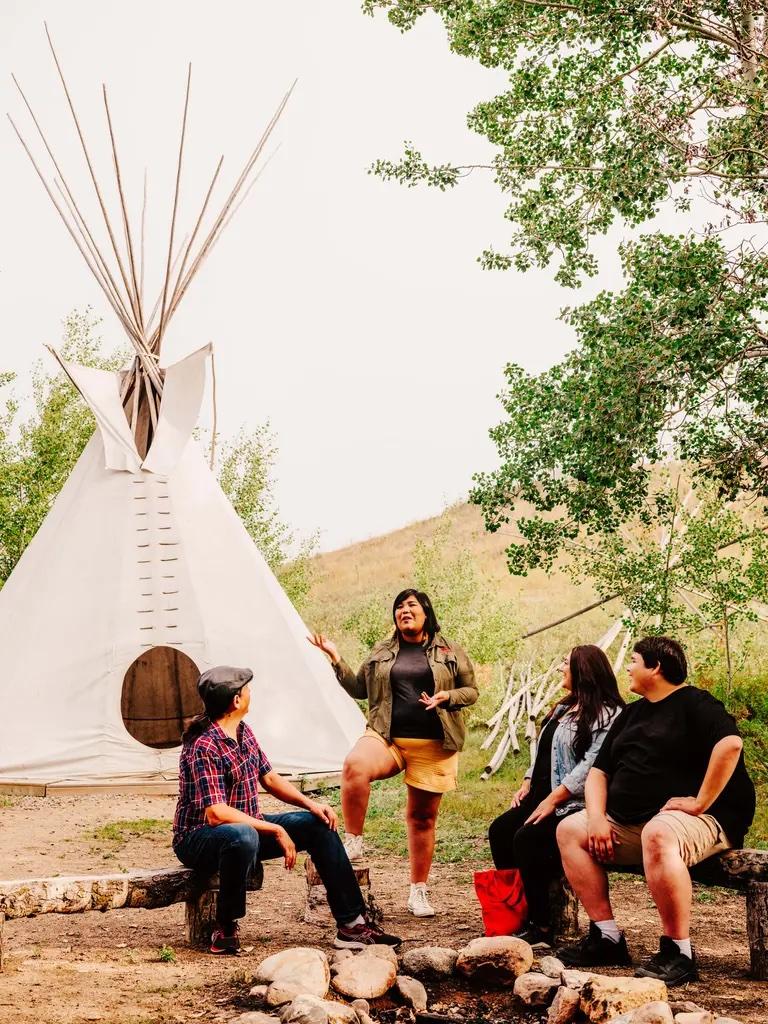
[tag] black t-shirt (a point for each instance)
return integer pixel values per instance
(410, 676)
(656, 750)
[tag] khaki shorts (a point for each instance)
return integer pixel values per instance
(698, 837)
(428, 765)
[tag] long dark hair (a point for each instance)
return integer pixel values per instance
(216, 706)
(595, 692)
(431, 626)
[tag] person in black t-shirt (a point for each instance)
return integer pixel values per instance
(668, 789)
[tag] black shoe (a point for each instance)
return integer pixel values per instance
(534, 934)
(358, 936)
(596, 951)
(669, 965)
(226, 938)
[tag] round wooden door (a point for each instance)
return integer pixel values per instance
(159, 697)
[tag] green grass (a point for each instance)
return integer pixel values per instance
(121, 831)
(166, 955)
(7, 801)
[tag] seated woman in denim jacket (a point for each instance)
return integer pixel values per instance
(571, 735)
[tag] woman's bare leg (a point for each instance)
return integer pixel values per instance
(421, 815)
(366, 762)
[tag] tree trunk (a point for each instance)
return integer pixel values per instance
(200, 917)
(757, 928)
(565, 910)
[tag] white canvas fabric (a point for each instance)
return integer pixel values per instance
(89, 595)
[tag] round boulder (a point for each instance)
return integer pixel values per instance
(496, 960)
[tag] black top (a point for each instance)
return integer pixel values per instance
(656, 750)
(541, 776)
(410, 676)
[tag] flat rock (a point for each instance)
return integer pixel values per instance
(430, 961)
(685, 1006)
(361, 1005)
(305, 1009)
(653, 1013)
(281, 992)
(312, 1010)
(259, 993)
(496, 960)
(382, 952)
(603, 998)
(365, 977)
(411, 991)
(551, 966)
(576, 979)
(535, 989)
(696, 1017)
(302, 966)
(564, 1006)
(256, 1017)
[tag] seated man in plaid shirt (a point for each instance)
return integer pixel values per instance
(218, 826)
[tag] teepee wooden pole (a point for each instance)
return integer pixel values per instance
(83, 251)
(126, 221)
(193, 236)
(92, 173)
(143, 236)
(161, 328)
(205, 248)
(72, 202)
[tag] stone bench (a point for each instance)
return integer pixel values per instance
(28, 897)
(743, 870)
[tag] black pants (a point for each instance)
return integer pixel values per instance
(533, 850)
(233, 851)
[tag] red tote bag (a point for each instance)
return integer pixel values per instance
(502, 901)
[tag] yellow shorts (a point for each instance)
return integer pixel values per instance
(428, 765)
(698, 837)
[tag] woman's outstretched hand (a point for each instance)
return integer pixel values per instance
(326, 645)
(544, 809)
(430, 703)
(522, 793)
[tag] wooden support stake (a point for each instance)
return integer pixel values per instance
(200, 917)
(757, 928)
(565, 910)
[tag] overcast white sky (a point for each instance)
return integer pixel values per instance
(348, 312)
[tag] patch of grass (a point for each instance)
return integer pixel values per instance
(7, 801)
(121, 831)
(166, 955)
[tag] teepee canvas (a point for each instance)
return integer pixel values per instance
(142, 575)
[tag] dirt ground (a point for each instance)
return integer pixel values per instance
(108, 967)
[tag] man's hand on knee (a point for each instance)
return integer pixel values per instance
(601, 838)
(687, 804)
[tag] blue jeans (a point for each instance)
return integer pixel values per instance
(234, 850)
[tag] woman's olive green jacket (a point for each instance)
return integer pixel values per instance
(451, 669)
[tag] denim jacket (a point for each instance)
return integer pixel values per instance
(566, 770)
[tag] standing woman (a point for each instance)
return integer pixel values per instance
(417, 684)
(571, 736)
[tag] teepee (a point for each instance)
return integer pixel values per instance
(142, 575)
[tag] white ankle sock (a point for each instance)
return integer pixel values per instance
(609, 930)
(684, 945)
(358, 920)
(418, 885)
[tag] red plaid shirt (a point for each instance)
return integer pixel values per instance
(215, 769)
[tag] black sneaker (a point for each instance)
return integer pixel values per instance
(226, 938)
(534, 934)
(670, 965)
(596, 951)
(358, 936)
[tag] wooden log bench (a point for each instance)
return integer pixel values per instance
(743, 870)
(148, 890)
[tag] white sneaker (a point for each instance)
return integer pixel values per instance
(418, 904)
(353, 847)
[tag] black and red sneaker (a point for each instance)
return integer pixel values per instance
(226, 938)
(358, 936)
